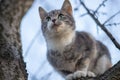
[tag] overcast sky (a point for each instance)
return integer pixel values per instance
(34, 46)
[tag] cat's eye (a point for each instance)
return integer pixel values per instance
(60, 16)
(48, 18)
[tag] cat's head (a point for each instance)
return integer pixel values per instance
(57, 22)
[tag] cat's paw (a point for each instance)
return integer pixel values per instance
(69, 77)
(90, 74)
(79, 74)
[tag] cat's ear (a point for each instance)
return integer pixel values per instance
(42, 12)
(67, 7)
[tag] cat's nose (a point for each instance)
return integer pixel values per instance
(53, 20)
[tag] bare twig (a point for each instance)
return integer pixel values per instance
(97, 13)
(47, 76)
(103, 13)
(102, 26)
(40, 67)
(84, 14)
(113, 24)
(31, 43)
(111, 17)
(102, 4)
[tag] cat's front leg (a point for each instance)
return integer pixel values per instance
(81, 69)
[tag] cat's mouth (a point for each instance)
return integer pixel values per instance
(55, 25)
(56, 28)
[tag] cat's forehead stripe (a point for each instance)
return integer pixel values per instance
(54, 12)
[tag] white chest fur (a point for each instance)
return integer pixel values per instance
(59, 43)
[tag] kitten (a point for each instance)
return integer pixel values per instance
(73, 54)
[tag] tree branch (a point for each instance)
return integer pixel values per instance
(111, 17)
(102, 26)
(113, 24)
(102, 4)
(111, 74)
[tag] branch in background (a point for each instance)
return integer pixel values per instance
(98, 13)
(111, 17)
(113, 24)
(103, 13)
(102, 26)
(102, 4)
(47, 76)
(84, 14)
(38, 70)
(31, 43)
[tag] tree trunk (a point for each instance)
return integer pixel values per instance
(12, 66)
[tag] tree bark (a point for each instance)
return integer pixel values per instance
(12, 66)
(111, 74)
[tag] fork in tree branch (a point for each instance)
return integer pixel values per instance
(102, 26)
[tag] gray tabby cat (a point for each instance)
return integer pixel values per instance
(73, 54)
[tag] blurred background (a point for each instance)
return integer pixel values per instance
(34, 46)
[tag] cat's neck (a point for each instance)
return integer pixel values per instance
(58, 43)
